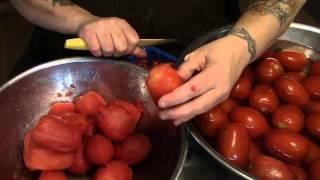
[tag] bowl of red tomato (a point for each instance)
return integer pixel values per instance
(269, 126)
(85, 118)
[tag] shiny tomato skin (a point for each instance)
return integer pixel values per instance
(312, 85)
(211, 122)
(313, 124)
(264, 99)
(242, 88)
(286, 145)
(252, 119)
(228, 105)
(268, 70)
(161, 80)
(314, 153)
(291, 91)
(298, 76)
(288, 117)
(291, 60)
(315, 68)
(234, 144)
(298, 172)
(313, 107)
(314, 170)
(267, 168)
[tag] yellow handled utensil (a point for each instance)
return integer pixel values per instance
(79, 44)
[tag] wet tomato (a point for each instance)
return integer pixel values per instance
(268, 70)
(264, 99)
(291, 60)
(234, 144)
(252, 119)
(313, 124)
(287, 145)
(312, 85)
(242, 88)
(228, 104)
(298, 76)
(314, 170)
(315, 68)
(288, 117)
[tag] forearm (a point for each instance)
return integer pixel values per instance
(57, 15)
(264, 22)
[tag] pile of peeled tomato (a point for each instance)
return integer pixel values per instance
(87, 135)
(270, 124)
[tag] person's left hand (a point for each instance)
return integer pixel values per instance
(219, 64)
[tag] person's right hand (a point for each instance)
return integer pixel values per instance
(110, 36)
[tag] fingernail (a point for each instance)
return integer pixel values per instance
(163, 116)
(176, 123)
(162, 104)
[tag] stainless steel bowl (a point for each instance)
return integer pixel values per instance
(298, 37)
(28, 96)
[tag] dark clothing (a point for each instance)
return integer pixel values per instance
(180, 19)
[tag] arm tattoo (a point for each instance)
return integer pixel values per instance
(281, 9)
(61, 2)
(244, 34)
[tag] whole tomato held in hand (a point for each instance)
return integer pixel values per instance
(312, 85)
(291, 60)
(313, 107)
(52, 175)
(267, 168)
(298, 171)
(314, 170)
(242, 88)
(228, 105)
(291, 91)
(234, 144)
(315, 68)
(288, 117)
(250, 118)
(268, 70)
(211, 122)
(162, 79)
(287, 145)
(115, 170)
(313, 124)
(298, 76)
(264, 99)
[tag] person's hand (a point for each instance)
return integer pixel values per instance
(110, 37)
(219, 64)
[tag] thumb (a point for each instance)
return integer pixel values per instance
(193, 63)
(139, 53)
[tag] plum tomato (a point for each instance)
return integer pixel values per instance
(313, 107)
(99, 150)
(315, 68)
(264, 98)
(312, 85)
(314, 170)
(291, 60)
(228, 105)
(298, 76)
(313, 124)
(241, 88)
(115, 170)
(288, 117)
(299, 172)
(89, 103)
(268, 70)
(314, 153)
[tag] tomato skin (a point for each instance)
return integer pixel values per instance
(265, 168)
(228, 105)
(298, 172)
(234, 144)
(314, 170)
(267, 54)
(52, 175)
(268, 70)
(313, 107)
(314, 153)
(254, 150)
(162, 79)
(298, 76)
(288, 117)
(242, 88)
(291, 91)
(312, 85)
(252, 119)
(264, 99)
(211, 122)
(315, 68)
(313, 124)
(287, 145)
(249, 74)
(291, 60)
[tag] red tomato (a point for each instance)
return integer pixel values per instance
(211, 122)
(315, 68)
(314, 170)
(40, 158)
(288, 117)
(298, 171)
(264, 99)
(242, 88)
(313, 154)
(115, 170)
(268, 53)
(291, 91)
(298, 76)
(129, 107)
(248, 72)
(99, 150)
(52, 175)
(162, 79)
(61, 108)
(254, 151)
(287, 145)
(291, 60)
(116, 123)
(265, 168)
(312, 85)
(313, 124)
(268, 70)
(228, 105)
(134, 149)
(252, 119)
(234, 144)
(53, 133)
(90, 103)
(80, 165)
(77, 120)
(313, 107)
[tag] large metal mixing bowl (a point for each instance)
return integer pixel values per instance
(298, 37)
(28, 96)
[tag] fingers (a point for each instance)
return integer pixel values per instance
(139, 53)
(106, 43)
(193, 62)
(93, 44)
